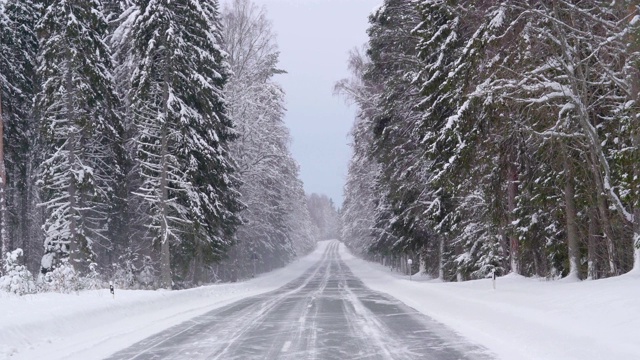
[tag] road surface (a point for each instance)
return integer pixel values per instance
(327, 313)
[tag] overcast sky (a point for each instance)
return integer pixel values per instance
(314, 38)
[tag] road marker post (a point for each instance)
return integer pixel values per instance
(493, 276)
(409, 262)
(113, 293)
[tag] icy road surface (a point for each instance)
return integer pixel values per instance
(327, 313)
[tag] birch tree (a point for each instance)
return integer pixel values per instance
(277, 224)
(359, 205)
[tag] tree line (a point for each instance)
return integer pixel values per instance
(497, 137)
(144, 143)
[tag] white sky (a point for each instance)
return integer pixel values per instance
(314, 38)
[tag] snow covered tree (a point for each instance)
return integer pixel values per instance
(324, 215)
(359, 205)
(130, 248)
(16, 279)
(277, 223)
(393, 68)
(303, 232)
(80, 129)
(578, 68)
(389, 169)
(18, 46)
(501, 136)
(4, 26)
(188, 187)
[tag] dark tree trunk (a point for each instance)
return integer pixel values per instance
(570, 211)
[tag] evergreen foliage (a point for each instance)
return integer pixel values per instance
(130, 163)
(497, 137)
(187, 185)
(80, 130)
(16, 279)
(18, 47)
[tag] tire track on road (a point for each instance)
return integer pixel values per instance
(326, 313)
(228, 322)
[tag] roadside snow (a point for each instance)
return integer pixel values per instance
(93, 325)
(524, 318)
(528, 319)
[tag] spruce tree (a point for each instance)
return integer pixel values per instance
(18, 46)
(80, 129)
(393, 67)
(188, 186)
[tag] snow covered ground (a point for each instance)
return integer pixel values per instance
(93, 325)
(525, 318)
(522, 319)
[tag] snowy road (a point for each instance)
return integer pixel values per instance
(326, 313)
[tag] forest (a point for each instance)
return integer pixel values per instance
(497, 137)
(143, 143)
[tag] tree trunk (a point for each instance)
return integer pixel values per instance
(603, 211)
(570, 209)
(592, 273)
(512, 190)
(504, 243)
(3, 193)
(634, 95)
(537, 269)
(198, 265)
(459, 275)
(423, 261)
(74, 256)
(636, 240)
(636, 208)
(441, 258)
(165, 255)
(600, 167)
(23, 214)
(33, 217)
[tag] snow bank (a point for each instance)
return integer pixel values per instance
(93, 325)
(525, 318)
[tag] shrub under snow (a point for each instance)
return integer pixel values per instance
(62, 279)
(17, 279)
